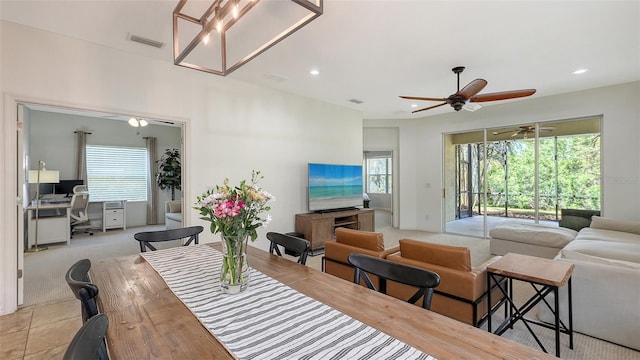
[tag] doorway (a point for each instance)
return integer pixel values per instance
(48, 135)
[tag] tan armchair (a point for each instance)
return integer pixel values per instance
(349, 241)
(462, 291)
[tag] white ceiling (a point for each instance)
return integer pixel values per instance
(374, 51)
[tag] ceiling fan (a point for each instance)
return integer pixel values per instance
(469, 94)
(525, 129)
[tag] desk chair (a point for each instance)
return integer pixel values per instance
(77, 277)
(293, 244)
(148, 237)
(80, 211)
(424, 280)
(88, 343)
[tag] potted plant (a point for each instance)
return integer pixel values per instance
(170, 172)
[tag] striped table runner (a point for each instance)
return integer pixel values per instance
(269, 320)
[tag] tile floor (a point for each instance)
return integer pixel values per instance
(40, 331)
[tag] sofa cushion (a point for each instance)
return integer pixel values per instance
(536, 234)
(174, 216)
(598, 222)
(607, 235)
(575, 255)
(624, 251)
(175, 206)
(362, 239)
(453, 257)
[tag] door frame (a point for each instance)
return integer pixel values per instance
(11, 198)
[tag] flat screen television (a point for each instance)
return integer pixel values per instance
(65, 187)
(334, 187)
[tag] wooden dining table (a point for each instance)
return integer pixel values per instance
(147, 321)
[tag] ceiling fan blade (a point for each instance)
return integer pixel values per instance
(503, 132)
(423, 98)
(472, 88)
(430, 107)
(504, 95)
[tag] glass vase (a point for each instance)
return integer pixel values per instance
(235, 275)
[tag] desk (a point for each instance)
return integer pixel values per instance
(549, 275)
(54, 223)
(148, 321)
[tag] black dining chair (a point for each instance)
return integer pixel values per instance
(293, 245)
(424, 280)
(148, 237)
(77, 277)
(88, 343)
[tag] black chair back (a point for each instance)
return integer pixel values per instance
(148, 237)
(88, 343)
(294, 245)
(425, 280)
(77, 277)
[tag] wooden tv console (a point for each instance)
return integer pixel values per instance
(320, 227)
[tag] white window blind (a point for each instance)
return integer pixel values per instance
(117, 173)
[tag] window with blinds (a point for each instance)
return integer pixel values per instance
(117, 173)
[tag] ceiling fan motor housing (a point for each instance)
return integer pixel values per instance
(456, 101)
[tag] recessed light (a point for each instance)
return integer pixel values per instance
(414, 105)
(314, 72)
(580, 71)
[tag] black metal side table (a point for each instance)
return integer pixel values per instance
(545, 276)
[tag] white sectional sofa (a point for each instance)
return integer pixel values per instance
(606, 282)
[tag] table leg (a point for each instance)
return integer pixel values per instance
(557, 318)
(489, 276)
(570, 316)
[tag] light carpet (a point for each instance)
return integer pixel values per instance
(44, 281)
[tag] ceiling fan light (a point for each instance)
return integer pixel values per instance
(471, 106)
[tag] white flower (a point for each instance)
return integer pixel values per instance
(268, 196)
(266, 221)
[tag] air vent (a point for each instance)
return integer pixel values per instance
(145, 41)
(356, 101)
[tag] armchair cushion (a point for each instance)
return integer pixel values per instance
(453, 257)
(361, 239)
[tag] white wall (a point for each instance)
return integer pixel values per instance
(53, 141)
(230, 127)
(421, 147)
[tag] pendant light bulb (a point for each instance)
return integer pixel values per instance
(235, 9)
(219, 26)
(143, 122)
(133, 122)
(206, 39)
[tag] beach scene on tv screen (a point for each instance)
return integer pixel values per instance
(334, 186)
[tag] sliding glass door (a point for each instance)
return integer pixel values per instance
(520, 173)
